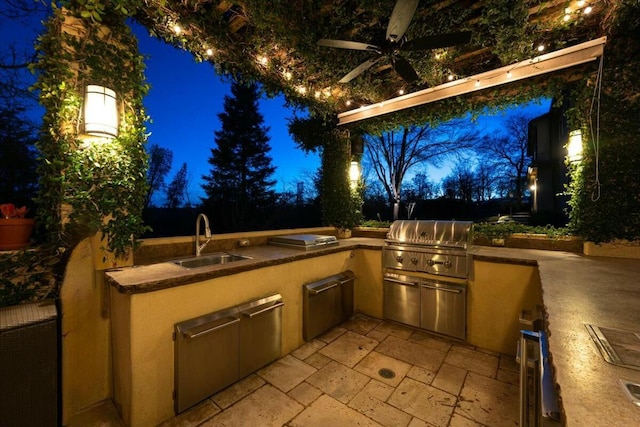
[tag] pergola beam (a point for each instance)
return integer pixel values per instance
(547, 63)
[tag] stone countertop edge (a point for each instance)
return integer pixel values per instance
(163, 275)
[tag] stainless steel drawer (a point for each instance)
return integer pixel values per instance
(206, 356)
(260, 333)
(326, 303)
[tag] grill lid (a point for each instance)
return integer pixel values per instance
(303, 241)
(457, 234)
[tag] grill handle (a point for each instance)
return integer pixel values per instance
(440, 288)
(319, 290)
(400, 282)
(251, 314)
(195, 332)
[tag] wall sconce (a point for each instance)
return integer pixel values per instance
(100, 112)
(354, 174)
(574, 146)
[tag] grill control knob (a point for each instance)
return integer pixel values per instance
(414, 261)
(431, 263)
(399, 259)
(447, 264)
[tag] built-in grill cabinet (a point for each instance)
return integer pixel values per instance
(326, 303)
(215, 350)
(415, 250)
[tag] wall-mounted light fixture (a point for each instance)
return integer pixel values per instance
(574, 146)
(354, 174)
(100, 112)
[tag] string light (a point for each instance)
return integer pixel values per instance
(587, 10)
(209, 52)
(317, 94)
(450, 77)
(288, 75)
(477, 83)
(348, 103)
(540, 47)
(301, 90)
(177, 29)
(509, 74)
(566, 17)
(401, 92)
(262, 60)
(581, 3)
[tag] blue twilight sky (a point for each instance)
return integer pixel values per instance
(186, 97)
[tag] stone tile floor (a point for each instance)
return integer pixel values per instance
(369, 372)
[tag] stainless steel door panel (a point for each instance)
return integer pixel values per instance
(260, 333)
(444, 308)
(322, 307)
(206, 356)
(402, 299)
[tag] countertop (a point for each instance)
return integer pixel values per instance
(577, 290)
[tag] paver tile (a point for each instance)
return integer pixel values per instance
(286, 373)
(379, 411)
(305, 393)
(473, 361)
(488, 401)
(412, 353)
(317, 360)
(349, 349)
(307, 349)
(395, 329)
(449, 378)
(361, 324)
(423, 401)
(338, 381)
(326, 411)
(421, 374)
(237, 391)
(267, 406)
(332, 334)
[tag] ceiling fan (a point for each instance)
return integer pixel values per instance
(396, 42)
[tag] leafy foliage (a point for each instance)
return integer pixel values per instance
(102, 185)
(500, 231)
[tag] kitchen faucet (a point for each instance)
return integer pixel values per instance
(207, 233)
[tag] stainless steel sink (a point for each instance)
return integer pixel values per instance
(207, 260)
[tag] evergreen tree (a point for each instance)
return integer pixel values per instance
(239, 189)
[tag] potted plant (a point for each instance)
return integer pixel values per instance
(15, 229)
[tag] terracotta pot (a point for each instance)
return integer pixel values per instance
(15, 233)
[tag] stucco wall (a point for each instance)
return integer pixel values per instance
(86, 349)
(495, 297)
(142, 324)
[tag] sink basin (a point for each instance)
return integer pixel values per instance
(207, 260)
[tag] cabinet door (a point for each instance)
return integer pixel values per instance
(402, 299)
(206, 358)
(444, 308)
(260, 335)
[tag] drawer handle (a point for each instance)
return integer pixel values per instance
(250, 314)
(438, 288)
(190, 334)
(400, 282)
(323, 289)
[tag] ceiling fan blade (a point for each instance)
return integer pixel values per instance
(400, 19)
(359, 70)
(345, 44)
(404, 68)
(437, 41)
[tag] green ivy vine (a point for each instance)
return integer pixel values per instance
(97, 186)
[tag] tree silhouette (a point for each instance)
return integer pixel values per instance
(177, 189)
(159, 166)
(507, 152)
(393, 154)
(239, 189)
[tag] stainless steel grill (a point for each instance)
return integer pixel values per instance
(436, 247)
(433, 247)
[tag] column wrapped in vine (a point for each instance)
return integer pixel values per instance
(89, 186)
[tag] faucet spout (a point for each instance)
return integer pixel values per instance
(207, 233)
